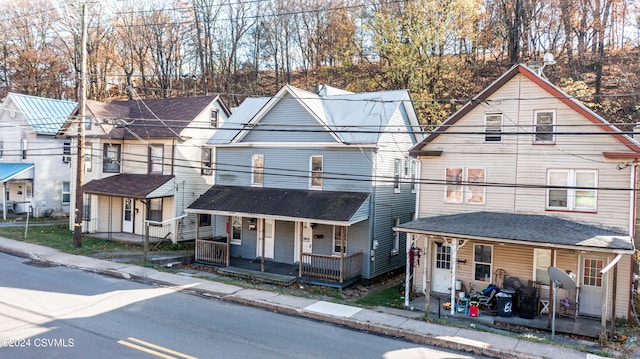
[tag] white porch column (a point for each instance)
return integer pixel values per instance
(454, 260)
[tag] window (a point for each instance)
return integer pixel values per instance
(155, 209)
(544, 126)
(465, 185)
(207, 165)
(482, 262)
(86, 208)
(66, 148)
(66, 192)
(591, 275)
(414, 169)
(204, 220)
(111, 158)
(1, 149)
(396, 238)
(154, 158)
(443, 256)
(257, 170)
(339, 239)
(492, 127)
(397, 169)
(215, 117)
(23, 149)
(316, 171)
(573, 190)
(88, 151)
(236, 230)
(542, 262)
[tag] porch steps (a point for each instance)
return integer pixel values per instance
(263, 277)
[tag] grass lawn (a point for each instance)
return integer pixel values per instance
(390, 297)
(61, 238)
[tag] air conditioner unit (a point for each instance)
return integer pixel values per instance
(66, 159)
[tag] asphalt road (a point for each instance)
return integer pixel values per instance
(48, 312)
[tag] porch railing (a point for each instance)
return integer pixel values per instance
(328, 267)
(213, 252)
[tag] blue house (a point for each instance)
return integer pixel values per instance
(312, 179)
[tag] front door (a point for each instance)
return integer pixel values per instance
(441, 277)
(266, 229)
(307, 240)
(591, 285)
(127, 215)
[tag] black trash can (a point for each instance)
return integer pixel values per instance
(527, 302)
(505, 304)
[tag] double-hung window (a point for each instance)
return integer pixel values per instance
(66, 192)
(492, 127)
(155, 156)
(236, 230)
(88, 152)
(206, 163)
(316, 164)
(215, 118)
(542, 262)
(257, 170)
(23, 149)
(111, 158)
(465, 185)
(155, 209)
(482, 259)
(339, 239)
(544, 126)
(572, 190)
(397, 170)
(396, 238)
(1, 149)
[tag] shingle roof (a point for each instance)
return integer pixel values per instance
(290, 203)
(521, 227)
(152, 118)
(127, 185)
(45, 115)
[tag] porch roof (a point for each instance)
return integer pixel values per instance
(128, 185)
(10, 170)
(330, 207)
(525, 229)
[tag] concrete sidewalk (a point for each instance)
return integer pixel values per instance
(403, 324)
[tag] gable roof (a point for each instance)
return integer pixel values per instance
(45, 115)
(352, 118)
(524, 229)
(235, 123)
(548, 87)
(152, 118)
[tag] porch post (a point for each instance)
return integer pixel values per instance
(197, 233)
(454, 255)
(299, 239)
(343, 232)
(426, 281)
(4, 200)
(228, 245)
(407, 273)
(552, 289)
(262, 234)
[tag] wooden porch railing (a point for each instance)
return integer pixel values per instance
(213, 252)
(328, 267)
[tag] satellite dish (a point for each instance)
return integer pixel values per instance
(561, 279)
(548, 59)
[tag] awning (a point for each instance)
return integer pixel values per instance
(526, 229)
(9, 171)
(132, 185)
(328, 207)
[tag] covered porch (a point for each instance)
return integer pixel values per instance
(306, 229)
(17, 187)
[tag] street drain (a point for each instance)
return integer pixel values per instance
(36, 263)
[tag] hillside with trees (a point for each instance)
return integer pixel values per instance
(444, 52)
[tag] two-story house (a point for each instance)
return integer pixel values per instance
(144, 162)
(522, 178)
(312, 179)
(34, 165)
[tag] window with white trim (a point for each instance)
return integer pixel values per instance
(155, 158)
(541, 262)
(572, 190)
(215, 118)
(236, 230)
(414, 182)
(66, 192)
(316, 165)
(396, 238)
(88, 152)
(465, 185)
(155, 209)
(482, 261)
(1, 149)
(257, 170)
(545, 121)
(111, 158)
(66, 148)
(206, 163)
(397, 170)
(23, 149)
(339, 239)
(492, 127)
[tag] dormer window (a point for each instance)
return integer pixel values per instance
(215, 117)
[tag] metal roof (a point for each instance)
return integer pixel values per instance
(527, 228)
(10, 170)
(45, 115)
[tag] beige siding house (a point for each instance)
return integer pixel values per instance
(520, 179)
(145, 161)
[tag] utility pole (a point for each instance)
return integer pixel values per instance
(77, 225)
